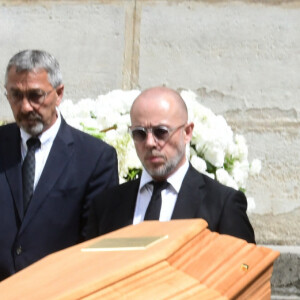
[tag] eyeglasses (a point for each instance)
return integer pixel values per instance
(160, 133)
(34, 97)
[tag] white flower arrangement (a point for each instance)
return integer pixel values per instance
(214, 149)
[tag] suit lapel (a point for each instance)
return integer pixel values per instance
(59, 156)
(10, 150)
(190, 196)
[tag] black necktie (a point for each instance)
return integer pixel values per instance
(28, 170)
(153, 209)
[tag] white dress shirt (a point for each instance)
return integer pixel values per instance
(169, 195)
(42, 153)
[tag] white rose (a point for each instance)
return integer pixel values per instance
(198, 163)
(240, 172)
(90, 123)
(251, 204)
(255, 167)
(112, 137)
(67, 109)
(215, 155)
(75, 122)
(211, 175)
(224, 178)
(133, 161)
(84, 108)
(242, 149)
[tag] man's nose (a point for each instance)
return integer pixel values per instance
(151, 140)
(26, 105)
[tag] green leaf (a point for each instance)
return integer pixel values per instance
(133, 174)
(93, 131)
(93, 116)
(228, 163)
(242, 190)
(210, 167)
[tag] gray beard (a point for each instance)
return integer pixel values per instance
(168, 168)
(35, 130)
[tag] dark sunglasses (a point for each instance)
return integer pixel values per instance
(161, 133)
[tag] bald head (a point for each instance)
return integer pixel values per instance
(161, 99)
(161, 131)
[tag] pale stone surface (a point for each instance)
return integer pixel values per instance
(282, 229)
(245, 50)
(87, 40)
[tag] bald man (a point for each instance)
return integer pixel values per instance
(169, 187)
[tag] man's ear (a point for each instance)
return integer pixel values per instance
(60, 94)
(188, 130)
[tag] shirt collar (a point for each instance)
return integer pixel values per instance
(175, 179)
(46, 136)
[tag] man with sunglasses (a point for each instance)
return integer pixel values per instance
(169, 187)
(49, 171)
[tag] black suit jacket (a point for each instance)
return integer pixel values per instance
(79, 167)
(222, 207)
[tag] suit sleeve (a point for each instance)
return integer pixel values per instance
(234, 220)
(92, 222)
(104, 176)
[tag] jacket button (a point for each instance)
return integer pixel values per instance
(19, 250)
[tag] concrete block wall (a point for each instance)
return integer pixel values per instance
(242, 58)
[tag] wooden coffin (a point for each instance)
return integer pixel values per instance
(180, 259)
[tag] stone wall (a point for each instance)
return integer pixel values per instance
(241, 57)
